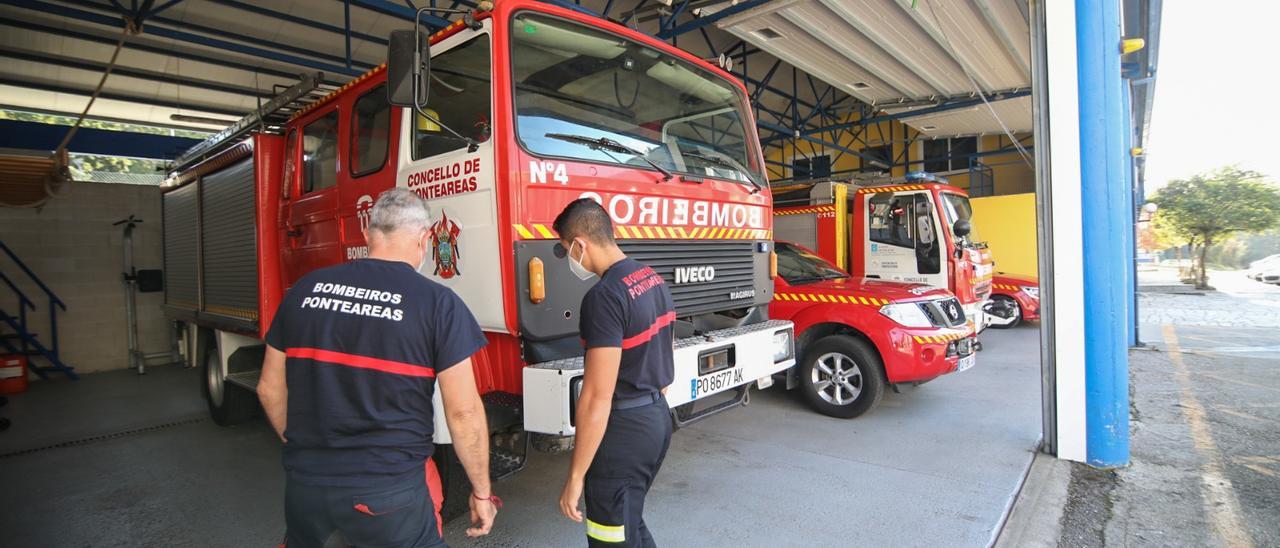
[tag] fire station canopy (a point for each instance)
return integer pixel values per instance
(907, 55)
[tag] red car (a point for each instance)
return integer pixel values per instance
(1014, 298)
(855, 336)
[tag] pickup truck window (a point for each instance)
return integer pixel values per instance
(798, 266)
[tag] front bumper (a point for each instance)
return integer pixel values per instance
(551, 389)
(920, 355)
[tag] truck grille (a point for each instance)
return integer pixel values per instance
(944, 312)
(735, 272)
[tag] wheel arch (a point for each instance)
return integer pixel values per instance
(818, 331)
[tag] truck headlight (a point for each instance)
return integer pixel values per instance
(782, 347)
(1031, 291)
(906, 314)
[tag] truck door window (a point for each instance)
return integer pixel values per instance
(889, 219)
(459, 97)
(320, 153)
(370, 131)
(927, 246)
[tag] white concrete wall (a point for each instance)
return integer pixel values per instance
(73, 248)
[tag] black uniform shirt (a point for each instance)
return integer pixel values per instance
(631, 308)
(363, 342)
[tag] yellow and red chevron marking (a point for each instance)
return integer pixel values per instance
(893, 188)
(830, 298)
(803, 210)
(946, 337)
(1007, 287)
(543, 232)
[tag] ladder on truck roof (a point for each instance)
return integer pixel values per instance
(268, 118)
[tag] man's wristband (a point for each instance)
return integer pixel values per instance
(493, 499)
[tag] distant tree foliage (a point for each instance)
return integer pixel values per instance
(1207, 208)
(82, 165)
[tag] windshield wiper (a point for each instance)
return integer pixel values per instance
(607, 144)
(724, 164)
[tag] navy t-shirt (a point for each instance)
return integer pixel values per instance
(363, 342)
(631, 308)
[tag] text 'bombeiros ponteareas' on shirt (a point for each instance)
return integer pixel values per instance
(350, 307)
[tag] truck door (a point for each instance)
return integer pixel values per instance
(903, 241)
(312, 237)
(459, 184)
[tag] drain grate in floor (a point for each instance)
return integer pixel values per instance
(104, 437)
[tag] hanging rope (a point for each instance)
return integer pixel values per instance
(60, 174)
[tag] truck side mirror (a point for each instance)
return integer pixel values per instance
(408, 68)
(961, 228)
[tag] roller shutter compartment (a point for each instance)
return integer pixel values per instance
(180, 250)
(230, 242)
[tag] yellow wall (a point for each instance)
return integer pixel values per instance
(1008, 225)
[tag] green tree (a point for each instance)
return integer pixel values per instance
(1209, 207)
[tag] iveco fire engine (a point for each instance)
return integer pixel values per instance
(916, 230)
(510, 114)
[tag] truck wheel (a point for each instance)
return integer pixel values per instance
(842, 377)
(228, 404)
(1008, 303)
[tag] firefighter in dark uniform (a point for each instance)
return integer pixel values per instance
(354, 355)
(623, 421)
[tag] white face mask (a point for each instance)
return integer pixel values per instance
(575, 265)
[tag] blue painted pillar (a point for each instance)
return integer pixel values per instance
(1104, 219)
(1131, 235)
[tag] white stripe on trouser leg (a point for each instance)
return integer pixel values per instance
(606, 533)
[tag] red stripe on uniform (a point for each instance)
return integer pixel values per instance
(362, 362)
(644, 336)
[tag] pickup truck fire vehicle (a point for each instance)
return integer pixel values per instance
(916, 230)
(1014, 298)
(857, 335)
(519, 111)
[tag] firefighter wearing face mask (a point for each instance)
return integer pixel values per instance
(623, 420)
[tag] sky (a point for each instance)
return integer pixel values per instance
(1217, 96)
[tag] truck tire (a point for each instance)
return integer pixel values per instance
(842, 376)
(228, 404)
(1012, 304)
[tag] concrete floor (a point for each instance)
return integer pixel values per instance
(935, 465)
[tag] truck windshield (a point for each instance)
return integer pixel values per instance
(957, 207)
(798, 266)
(574, 80)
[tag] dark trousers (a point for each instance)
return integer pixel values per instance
(634, 445)
(403, 512)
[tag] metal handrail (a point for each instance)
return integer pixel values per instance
(53, 298)
(22, 297)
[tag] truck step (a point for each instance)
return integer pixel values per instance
(245, 379)
(504, 463)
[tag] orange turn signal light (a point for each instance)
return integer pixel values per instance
(773, 264)
(537, 281)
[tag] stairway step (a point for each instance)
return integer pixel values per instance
(16, 336)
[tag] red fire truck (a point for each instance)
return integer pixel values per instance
(1014, 298)
(916, 230)
(521, 110)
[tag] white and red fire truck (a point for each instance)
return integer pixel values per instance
(527, 107)
(918, 229)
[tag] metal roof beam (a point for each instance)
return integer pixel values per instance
(783, 130)
(957, 104)
(107, 20)
(216, 61)
(245, 6)
(397, 10)
(152, 101)
(140, 74)
(700, 22)
(181, 26)
(87, 140)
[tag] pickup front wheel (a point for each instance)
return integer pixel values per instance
(842, 376)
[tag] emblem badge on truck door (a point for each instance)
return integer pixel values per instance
(444, 246)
